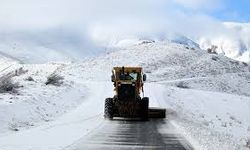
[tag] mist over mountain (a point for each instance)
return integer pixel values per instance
(59, 30)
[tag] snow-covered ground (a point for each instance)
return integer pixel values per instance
(36, 102)
(207, 97)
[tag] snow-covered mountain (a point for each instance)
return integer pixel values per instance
(59, 44)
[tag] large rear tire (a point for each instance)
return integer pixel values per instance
(145, 103)
(108, 109)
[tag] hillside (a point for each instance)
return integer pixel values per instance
(206, 96)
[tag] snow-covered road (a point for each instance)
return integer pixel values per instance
(122, 135)
(85, 126)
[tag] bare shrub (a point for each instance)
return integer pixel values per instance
(54, 79)
(183, 85)
(248, 143)
(7, 86)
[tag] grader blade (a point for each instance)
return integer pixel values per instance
(154, 112)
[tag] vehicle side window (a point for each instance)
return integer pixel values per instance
(134, 75)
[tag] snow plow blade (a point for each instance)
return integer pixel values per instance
(154, 112)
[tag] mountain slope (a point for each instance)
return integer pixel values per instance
(165, 61)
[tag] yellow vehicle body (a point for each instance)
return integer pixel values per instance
(127, 101)
(117, 73)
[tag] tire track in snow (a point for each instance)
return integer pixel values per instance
(122, 135)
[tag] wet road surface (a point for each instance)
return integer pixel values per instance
(137, 135)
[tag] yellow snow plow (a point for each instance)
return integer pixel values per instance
(127, 102)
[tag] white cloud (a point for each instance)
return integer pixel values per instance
(136, 15)
(47, 13)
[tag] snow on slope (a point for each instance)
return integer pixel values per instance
(36, 103)
(210, 106)
(170, 61)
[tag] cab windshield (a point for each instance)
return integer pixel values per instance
(129, 76)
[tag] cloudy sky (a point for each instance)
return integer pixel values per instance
(100, 21)
(49, 13)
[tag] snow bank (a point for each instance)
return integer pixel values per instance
(218, 114)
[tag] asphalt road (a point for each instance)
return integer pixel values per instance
(136, 135)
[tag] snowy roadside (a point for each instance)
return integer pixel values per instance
(66, 129)
(34, 102)
(209, 120)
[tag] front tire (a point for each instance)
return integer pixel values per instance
(108, 109)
